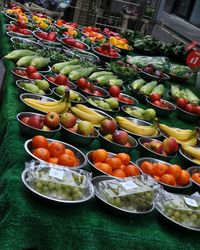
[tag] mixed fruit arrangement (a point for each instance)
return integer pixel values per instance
(103, 88)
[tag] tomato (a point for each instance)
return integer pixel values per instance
(36, 75)
(197, 110)
(61, 80)
(21, 24)
(97, 93)
(21, 72)
(189, 108)
(181, 102)
(24, 31)
(42, 153)
(114, 91)
(67, 160)
(42, 35)
(113, 54)
(70, 40)
(155, 97)
(56, 149)
(79, 45)
(30, 70)
(51, 78)
(39, 141)
(158, 103)
(82, 83)
(51, 36)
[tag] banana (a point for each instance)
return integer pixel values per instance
(176, 133)
(93, 118)
(136, 129)
(88, 110)
(191, 142)
(197, 161)
(192, 151)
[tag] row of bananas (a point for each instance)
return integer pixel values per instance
(149, 130)
(82, 112)
(61, 106)
(193, 152)
(182, 136)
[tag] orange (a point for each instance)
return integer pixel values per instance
(196, 177)
(125, 158)
(132, 170)
(67, 160)
(157, 178)
(104, 167)
(148, 168)
(168, 179)
(99, 155)
(69, 152)
(56, 149)
(42, 153)
(39, 141)
(77, 162)
(160, 169)
(114, 162)
(174, 170)
(53, 160)
(184, 178)
(119, 173)
(123, 167)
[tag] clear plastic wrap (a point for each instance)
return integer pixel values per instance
(180, 208)
(134, 194)
(58, 182)
(179, 70)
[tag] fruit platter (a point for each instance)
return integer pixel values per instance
(97, 121)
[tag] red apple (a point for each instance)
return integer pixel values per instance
(114, 91)
(85, 128)
(170, 145)
(155, 97)
(108, 126)
(36, 121)
(68, 120)
(52, 120)
(25, 119)
(159, 149)
(82, 83)
(120, 137)
(156, 146)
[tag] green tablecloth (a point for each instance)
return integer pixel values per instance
(27, 221)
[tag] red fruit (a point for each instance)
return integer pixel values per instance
(158, 103)
(42, 35)
(36, 75)
(21, 72)
(120, 137)
(61, 80)
(79, 45)
(51, 36)
(181, 102)
(108, 126)
(82, 83)
(189, 108)
(155, 97)
(113, 54)
(51, 78)
(114, 91)
(68, 120)
(70, 40)
(125, 99)
(197, 110)
(170, 145)
(31, 69)
(51, 120)
(97, 93)
(36, 121)
(25, 119)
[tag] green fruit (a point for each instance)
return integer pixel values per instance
(137, 113)
(112, 102)
(104, 105)
(60, 90)
(73, 96)
(92, 102)
(42, 84)
(149, 114)
(41, 92)
(31, 87)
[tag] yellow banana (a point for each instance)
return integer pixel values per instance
(135, 128)
(88, 110)
(93, 118)
(197, 161)
(192, 151)
(191, 142)
(48, 104)
(179, 134)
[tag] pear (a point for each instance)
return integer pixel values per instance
(74, 96)
(149, 114)
(113, 103)
(31, 87)
(42, 84)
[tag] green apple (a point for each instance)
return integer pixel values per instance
(60, 90)
(42, 84)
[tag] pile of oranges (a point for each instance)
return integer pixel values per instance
(196, 177)
(118, 165)
(172, 175)
(54, 152)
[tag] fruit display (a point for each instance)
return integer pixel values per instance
(168, 147)
(182, 136)
(182, 209)
(73, 97)
(19, 30)
(47, 122)
(151, 71)
(132, 126)
(106, 50)
(156, 100)
(84, 113)
(193, 152)
(132, 194)
(144, 114)
(50, 36)
(94, 34)
(119, 42)
(163, 172)
(59, 106)
(109, 104)
(70, 31)
(38, 86)
(54, 152)
(72, 42)
(59, 184)
(117, 165)
(26, 74)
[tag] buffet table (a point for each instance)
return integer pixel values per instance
(30, 222)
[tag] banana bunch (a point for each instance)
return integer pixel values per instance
(194, 152)
(61, 106)
(182, 136)
(87, 114)
(149, 130)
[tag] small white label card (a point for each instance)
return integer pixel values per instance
(190, 202)
(128, 185)
(55, 173)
